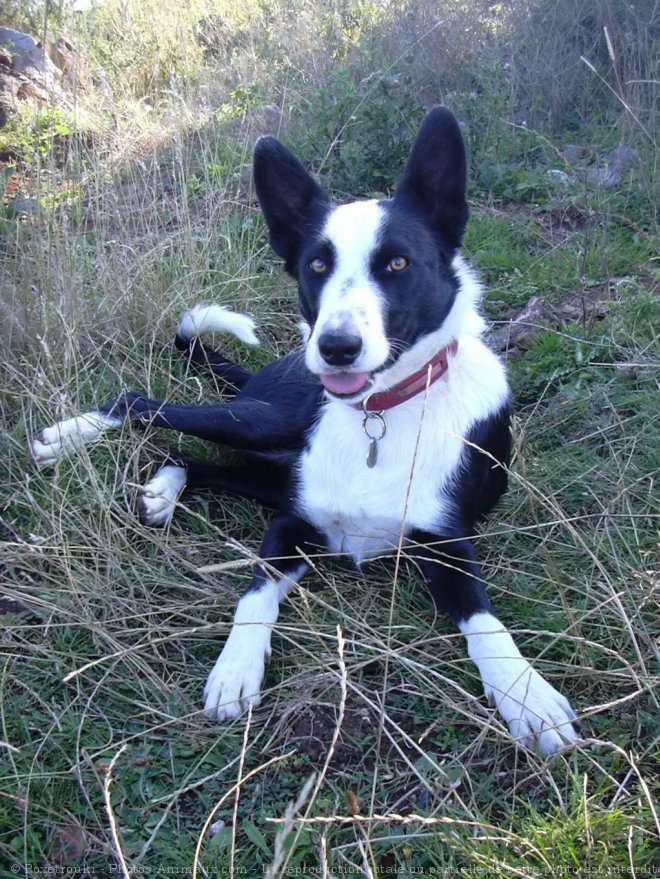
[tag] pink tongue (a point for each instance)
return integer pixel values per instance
(344, 382)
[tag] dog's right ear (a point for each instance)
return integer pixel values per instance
(292, 202)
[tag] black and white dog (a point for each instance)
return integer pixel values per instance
(390, 432)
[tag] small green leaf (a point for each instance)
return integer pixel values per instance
(256, 836)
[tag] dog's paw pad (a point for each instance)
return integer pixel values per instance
(160, 495)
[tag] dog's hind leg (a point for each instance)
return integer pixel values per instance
(66, 435)
(160, 495)
(244, 423)
(235, 680)
(257, 480)
(260, 481)
(53, 442)
(249, 424)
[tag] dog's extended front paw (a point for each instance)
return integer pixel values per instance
(536, 713)
(234, 683)
(235, 680)
(53, 442)
(160, 495)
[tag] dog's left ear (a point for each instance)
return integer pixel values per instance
(435, 177)
(292, 202)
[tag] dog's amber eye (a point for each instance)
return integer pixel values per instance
(318, 265)
(397, 264)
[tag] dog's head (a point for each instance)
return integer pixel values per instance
(375, 277)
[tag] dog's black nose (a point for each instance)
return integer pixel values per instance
(338, 349)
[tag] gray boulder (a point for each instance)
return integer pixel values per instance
(27, 75)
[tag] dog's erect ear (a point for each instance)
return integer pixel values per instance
(435, 177)
(292, 202)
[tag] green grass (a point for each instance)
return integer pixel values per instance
(105, 653)
(569, 555)
(521, 254)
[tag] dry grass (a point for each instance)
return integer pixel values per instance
(108, 760)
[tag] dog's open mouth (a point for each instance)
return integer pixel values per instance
(345, 384)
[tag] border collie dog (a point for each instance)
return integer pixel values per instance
(388, 433)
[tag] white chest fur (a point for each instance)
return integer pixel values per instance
(363, 511)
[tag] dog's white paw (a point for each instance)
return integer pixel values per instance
(160, 495)
(536, 713)
(44, 454)
(235, 680)
(53, 442)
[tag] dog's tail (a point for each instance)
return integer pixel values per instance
(215, 319)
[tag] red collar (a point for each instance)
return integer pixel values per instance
(412, 385)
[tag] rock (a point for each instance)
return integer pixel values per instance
(32, 90)
(76, 75)
(572, 311)
(618, 163)
(8, 93)
(622, 159)
(559, 176)
(608, 174)
(30, 78)
(601, 177)
(25, 207)
(26, 52)
(521, 331)
(63, 54)
(517, 334)
(16, 42)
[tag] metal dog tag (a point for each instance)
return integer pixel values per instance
(372, 454)
(370, 417)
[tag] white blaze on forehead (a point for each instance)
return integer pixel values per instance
(351, 299)
(353, 230)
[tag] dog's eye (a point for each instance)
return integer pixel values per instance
(397, 264)
(318, 265)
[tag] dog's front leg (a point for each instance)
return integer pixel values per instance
(235, 680)
(535, 712)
